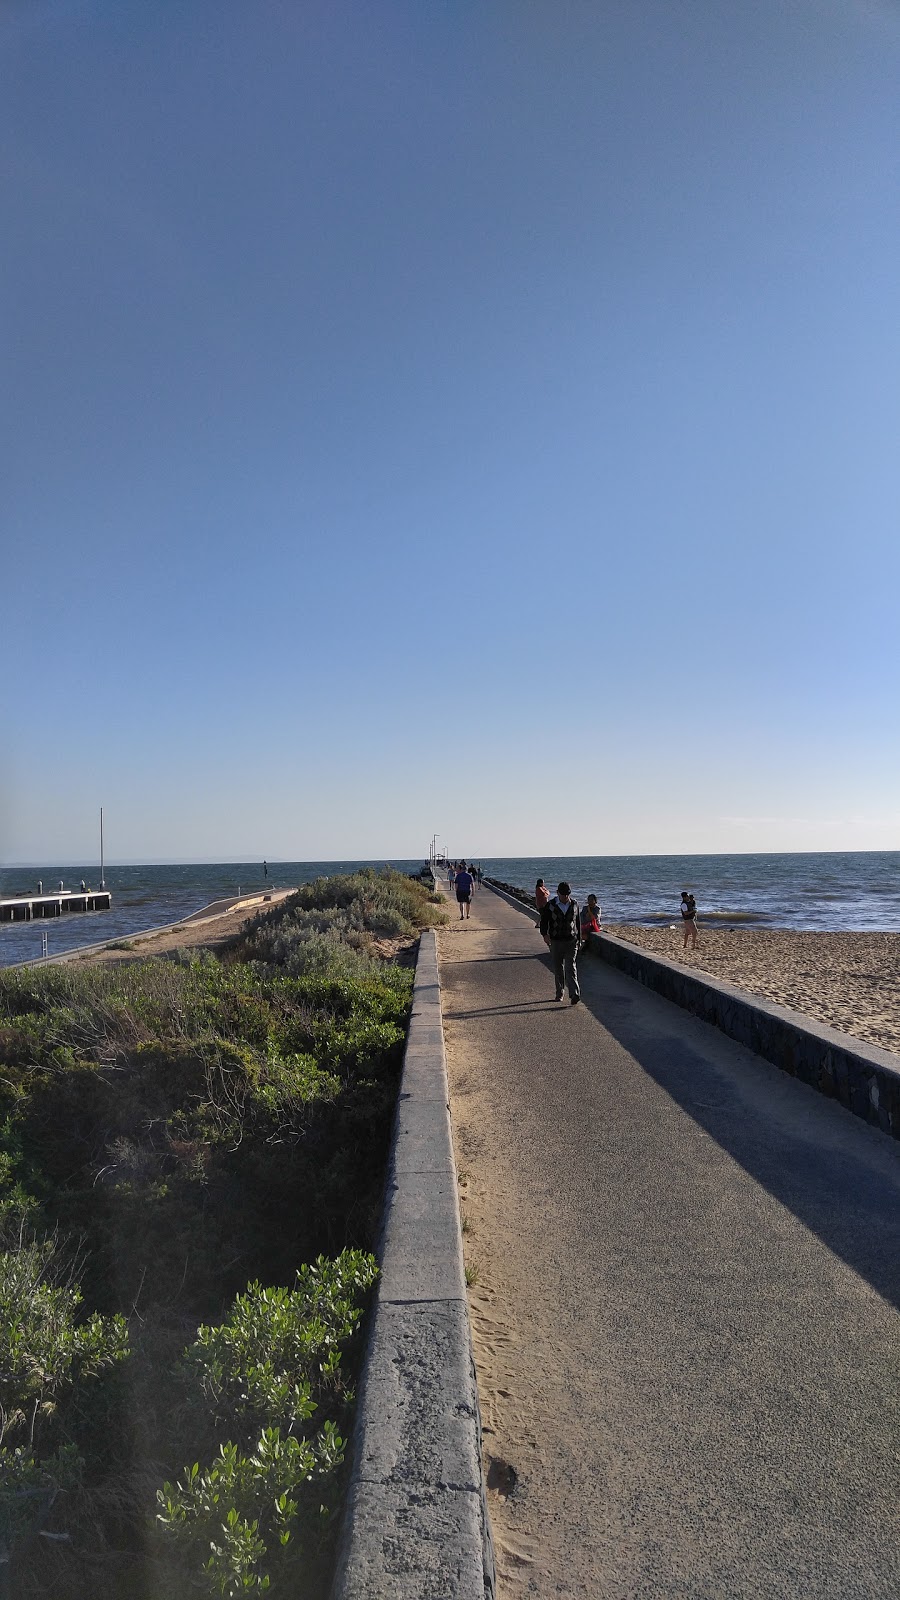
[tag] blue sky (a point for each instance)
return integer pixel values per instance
(479, 418)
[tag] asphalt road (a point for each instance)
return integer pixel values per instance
(686, 1317)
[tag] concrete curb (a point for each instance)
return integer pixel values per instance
(862, 1077)
(416, 1525)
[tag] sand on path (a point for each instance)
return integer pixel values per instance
(683, 1306)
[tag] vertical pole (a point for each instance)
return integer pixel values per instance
(102, 879)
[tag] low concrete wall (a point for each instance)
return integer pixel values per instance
(862, 1077)
(416, 1523)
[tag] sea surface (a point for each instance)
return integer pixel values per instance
(833, 890)
(852, 890)
(145, 897)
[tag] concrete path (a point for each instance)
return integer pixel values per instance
(685, 1314)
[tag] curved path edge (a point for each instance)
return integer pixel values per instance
(416, 1525)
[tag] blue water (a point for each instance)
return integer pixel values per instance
(833, 890)
(859, 889)
(145, 897)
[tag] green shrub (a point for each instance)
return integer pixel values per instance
(198, 1125)
(46, 1346)
(323, 925)
(269, 1375)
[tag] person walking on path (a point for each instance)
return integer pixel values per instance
(559, 926)
(689, 917)
(464, 886)
(541, 898)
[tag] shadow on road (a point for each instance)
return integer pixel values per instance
(518, 1009)
(837, 1176)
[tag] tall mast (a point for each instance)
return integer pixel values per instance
(102, 879)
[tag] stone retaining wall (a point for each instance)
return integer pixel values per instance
(416, 1526)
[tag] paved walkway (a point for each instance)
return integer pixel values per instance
(685, 1315)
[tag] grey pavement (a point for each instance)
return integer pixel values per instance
(706, 1255)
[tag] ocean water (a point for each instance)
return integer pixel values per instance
(833, 890)
(859, 889)
(145, 897)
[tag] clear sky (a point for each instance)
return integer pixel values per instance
(468, 416)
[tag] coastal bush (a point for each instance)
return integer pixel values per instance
(309, 927)
(46, 1347)
(202, 1127)
(272, 1375)
(51, 1354)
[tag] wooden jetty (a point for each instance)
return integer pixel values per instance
(28, 907)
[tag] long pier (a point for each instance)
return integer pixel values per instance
(28, 907)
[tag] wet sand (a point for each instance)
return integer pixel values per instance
(851, 981)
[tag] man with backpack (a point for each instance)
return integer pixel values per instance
(559, 926)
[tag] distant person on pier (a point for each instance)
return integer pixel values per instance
(83, 886)
(590, 918)
(464, 887)
(559, 926)
(689, 918)
(265, 869)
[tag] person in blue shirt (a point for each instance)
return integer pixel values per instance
(464, 886)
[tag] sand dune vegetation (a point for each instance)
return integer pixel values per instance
(192, 1152)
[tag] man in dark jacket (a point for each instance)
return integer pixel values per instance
(559, 926)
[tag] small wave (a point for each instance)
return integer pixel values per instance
(734, 916)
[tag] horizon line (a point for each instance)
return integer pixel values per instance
(325, 861)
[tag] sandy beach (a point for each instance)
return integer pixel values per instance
(851, 981)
